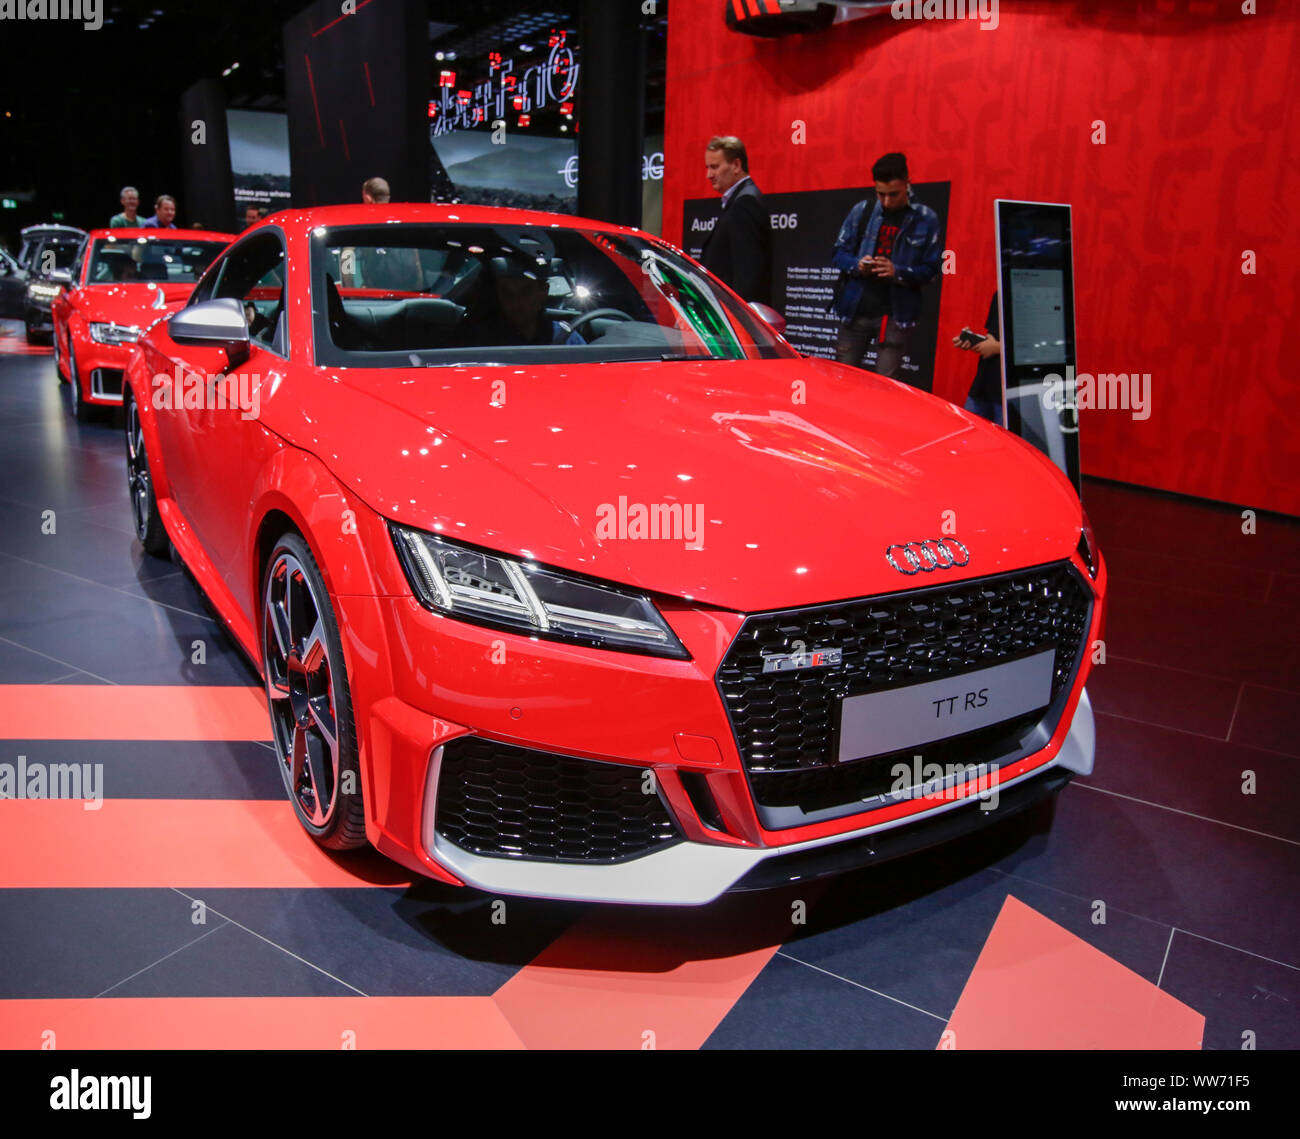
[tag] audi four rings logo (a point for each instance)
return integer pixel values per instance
(928, 555)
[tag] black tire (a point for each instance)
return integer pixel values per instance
(83, 412)
(308, 697)
(139, 483)
(33, 337)
(58, 359)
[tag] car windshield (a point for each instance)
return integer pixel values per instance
(420, 295)
(115, 260)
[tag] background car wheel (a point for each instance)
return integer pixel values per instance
(33, 337)
(309, 700)
(84, 412)
(144, 506)
(58, 358)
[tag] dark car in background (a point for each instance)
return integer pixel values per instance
(13, 288)
(46, 258)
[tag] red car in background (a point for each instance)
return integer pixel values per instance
(567, 577)
(122, 282)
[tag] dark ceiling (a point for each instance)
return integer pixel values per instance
(84, 112)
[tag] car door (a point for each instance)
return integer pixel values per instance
(218, 415)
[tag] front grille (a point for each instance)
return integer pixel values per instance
(504, 801)
(786, 723)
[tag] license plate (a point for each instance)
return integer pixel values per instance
(877, 723)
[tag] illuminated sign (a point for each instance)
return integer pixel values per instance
(544, 84)
(652, 168)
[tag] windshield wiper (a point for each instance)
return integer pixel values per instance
(692, 356)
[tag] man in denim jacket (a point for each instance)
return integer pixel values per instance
(888, 256)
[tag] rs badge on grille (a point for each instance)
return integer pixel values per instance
(813, 658)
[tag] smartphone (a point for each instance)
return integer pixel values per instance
(969, 337)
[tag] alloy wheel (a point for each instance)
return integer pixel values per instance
(75, 382)
(137, 469)
(300, 686)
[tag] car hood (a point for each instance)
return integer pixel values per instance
(131, 303)
(791, 476)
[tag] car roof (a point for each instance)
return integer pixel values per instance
(139, 233)
(309, 218)
(52, 229)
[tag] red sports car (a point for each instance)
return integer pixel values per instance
(122, 281)
(569, 578)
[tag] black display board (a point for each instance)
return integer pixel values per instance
(205, 160)
(357, 80)
(804, 228)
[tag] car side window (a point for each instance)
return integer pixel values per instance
(255, 274)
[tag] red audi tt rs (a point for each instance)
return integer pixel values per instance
(122, 281)
(569, 578)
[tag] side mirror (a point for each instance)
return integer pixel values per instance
(214, 324)
(769, 314)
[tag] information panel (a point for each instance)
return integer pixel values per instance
(804, 228)
(1036, 267)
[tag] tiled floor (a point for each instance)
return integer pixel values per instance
(1179, 859)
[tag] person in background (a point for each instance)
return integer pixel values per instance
(164, 213)
(129, 217)
(375, 191)
(251, 216)
(888, 249)
(739, 248)
(985, 396)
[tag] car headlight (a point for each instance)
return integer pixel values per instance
(506, 593)
(113, 333)
(1088, 548)
(40, 291)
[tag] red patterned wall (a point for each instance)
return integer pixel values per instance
(1199, 165)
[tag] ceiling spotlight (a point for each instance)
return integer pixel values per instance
(440, 55)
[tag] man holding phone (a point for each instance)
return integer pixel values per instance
(887, 250)
(985, 396)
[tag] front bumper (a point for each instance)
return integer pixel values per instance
(695, 873)
(39, 318)
(102, 368)
(436, 696)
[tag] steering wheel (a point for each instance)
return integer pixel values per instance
(598, 313)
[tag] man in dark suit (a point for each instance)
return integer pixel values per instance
(739, 250)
